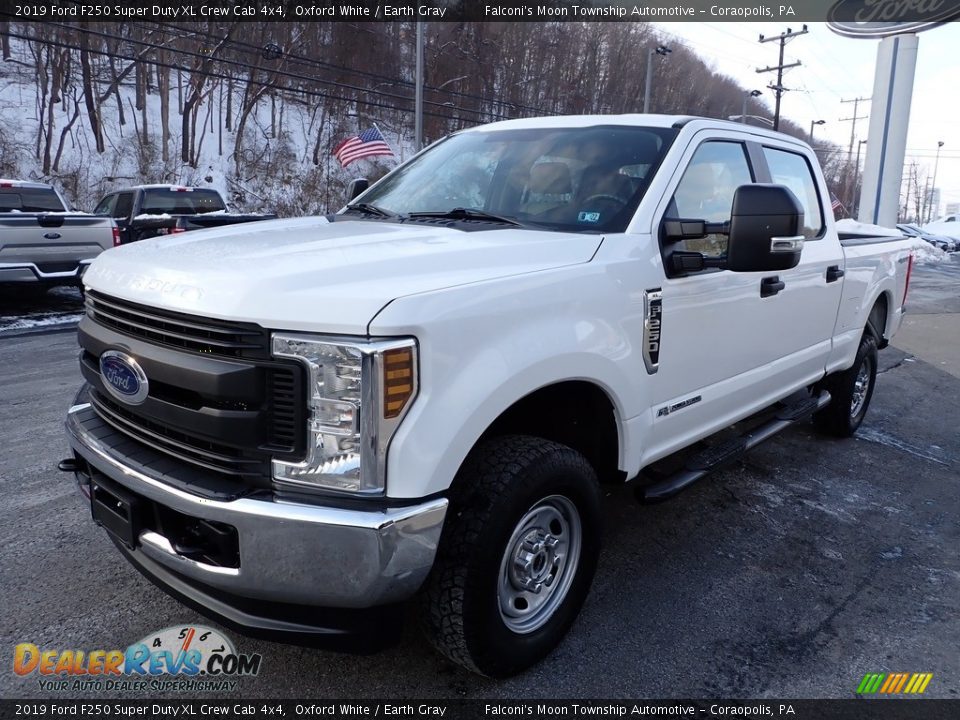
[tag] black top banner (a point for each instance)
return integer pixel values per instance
(863, 17)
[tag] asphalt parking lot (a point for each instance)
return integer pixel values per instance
(791, 574)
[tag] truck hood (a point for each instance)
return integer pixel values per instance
(314, 275)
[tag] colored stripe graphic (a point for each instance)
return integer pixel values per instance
(894, 683)
(903, 679)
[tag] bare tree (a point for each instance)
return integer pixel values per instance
(89, 94)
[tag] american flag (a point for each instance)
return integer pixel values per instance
(369, 143)
(836, 204)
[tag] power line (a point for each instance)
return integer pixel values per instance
(284, 73)
(256, 83)
(320, 64)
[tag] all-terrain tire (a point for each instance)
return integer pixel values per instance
(850, 391)
(472, 609)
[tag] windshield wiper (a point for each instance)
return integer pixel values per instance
(371, 209)
(460, 213)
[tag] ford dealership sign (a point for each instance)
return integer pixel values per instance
(882, 18)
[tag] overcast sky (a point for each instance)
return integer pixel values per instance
(836, 68)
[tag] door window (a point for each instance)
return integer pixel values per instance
(793, 170)
(105, 207)
(124, 206)
(706, 190)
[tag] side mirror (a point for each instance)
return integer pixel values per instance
(766, 229)
(356, 186)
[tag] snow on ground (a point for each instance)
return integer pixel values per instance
(59, 306)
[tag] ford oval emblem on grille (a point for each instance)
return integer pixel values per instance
(123, 377)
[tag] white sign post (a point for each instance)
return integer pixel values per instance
(889, 118)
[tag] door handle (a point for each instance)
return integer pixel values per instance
(834, 273)
(771, 286)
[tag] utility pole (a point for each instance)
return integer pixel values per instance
(933, 184)
(853, 135)
(779, 89)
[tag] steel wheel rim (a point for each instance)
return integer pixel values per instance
(539, 564)
(860, 388)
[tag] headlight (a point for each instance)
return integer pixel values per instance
(357, 394)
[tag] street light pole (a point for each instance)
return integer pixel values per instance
(659, 50)
(747, 94)
(933, 186)
(812, 123)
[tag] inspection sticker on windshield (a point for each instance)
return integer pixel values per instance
(589, 217)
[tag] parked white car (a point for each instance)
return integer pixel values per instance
(289, 424)
(948, 225)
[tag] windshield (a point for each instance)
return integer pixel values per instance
(576, 179)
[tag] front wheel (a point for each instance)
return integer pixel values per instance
(517, 557)
(850, 391)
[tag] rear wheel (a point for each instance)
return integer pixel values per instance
(517, 556)
(850, 391)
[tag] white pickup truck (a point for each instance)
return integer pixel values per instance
(291, 424)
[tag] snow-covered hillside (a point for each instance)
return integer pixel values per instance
(285, 164)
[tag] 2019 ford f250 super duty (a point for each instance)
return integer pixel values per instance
(288, 422)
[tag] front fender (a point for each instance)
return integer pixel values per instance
(485, 346)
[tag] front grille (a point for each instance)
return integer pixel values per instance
(179, 330)
(286, 412)
(217, 399)
(183, 446)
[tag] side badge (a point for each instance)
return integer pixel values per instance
(652, 313)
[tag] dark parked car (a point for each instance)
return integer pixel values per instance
(146, 211)
(947, 244)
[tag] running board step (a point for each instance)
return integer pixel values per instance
(715, 457)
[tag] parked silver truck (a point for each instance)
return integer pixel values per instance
(43, 243)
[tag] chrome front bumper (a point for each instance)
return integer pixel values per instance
(289, 552)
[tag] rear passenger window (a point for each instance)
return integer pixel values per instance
(124, 206)
(793, 170)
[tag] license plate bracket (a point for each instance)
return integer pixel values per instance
(117, 510)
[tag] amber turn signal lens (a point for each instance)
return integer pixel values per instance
(397, 380)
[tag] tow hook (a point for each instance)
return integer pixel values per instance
(69, 465)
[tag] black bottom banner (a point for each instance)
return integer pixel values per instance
(886, 709)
